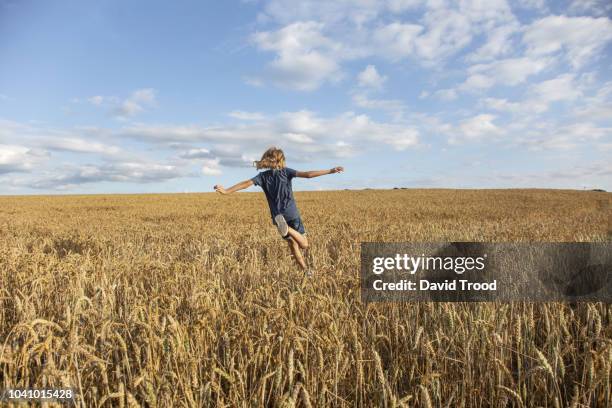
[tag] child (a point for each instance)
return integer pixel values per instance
(276, 183)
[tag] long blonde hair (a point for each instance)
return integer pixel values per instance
(273, 158)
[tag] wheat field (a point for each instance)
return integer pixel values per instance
(192, 300)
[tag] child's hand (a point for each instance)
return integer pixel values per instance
(338, 169)
(220, 189)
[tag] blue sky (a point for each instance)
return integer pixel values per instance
(118, 97)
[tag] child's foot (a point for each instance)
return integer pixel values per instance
(308, 272)
(281, 224)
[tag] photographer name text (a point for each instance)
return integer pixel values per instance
(426, 285)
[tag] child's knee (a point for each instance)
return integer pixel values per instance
(304, 244)
(293, 245)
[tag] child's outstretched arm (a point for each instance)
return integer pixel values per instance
(317, 173)
(236, 187)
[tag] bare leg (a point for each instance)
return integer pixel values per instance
(301, 240)
(297, 253)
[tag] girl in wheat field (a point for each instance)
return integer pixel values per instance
(276, 184)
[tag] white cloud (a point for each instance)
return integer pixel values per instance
(393, 106)
(305, 58)
(167, 133)
(301, 126)
(138, 101)
(210, 167)
(477, 81)
(564, 137)
(507, 72)
(597, 107)
(585, 171)
(566, 175)
(488, 13)
(317, 37)
(591, 7)
(70, 176)
(370, 78)
(231, 156)
(476, 128)
(294, 38)
(95, 100)
(15, 158)
(351, 128)
(501, 104)
(404, 139)
(526, 107)
(79, 145)
(303, 121)
(395, 40)
(499, 43)
(353, 12)
(580, 38)
(228, 155)
(196, 153)
(446, 94)
(598, 112)
(448, 31)
(145, 96)
(77, 140)
(298, 137)
(563, 87)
